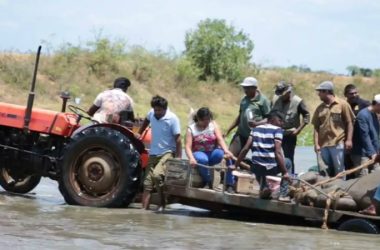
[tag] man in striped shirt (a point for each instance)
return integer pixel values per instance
(267, 155)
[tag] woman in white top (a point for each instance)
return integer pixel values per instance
(205, 144)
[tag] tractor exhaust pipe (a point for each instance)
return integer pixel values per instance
(28, 111)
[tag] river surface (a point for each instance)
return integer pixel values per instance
(42, 220)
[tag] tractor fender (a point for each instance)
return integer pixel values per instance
(137, 143)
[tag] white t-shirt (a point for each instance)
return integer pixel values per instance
(164, 131)
(111, 103)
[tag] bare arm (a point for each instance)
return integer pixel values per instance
(280, 157)
(317, 147)
(91, 111)
(306, 117)
(244, 151)
(350, 131)
(349, 118)
(188, 145)
(220, 140)
(143, 126)
(178, 146)
(233, 125)
(253, 124)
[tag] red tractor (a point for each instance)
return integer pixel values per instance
(95, 165)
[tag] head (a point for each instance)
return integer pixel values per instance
(325, 91)
(122, 83)
(376, 104)
(203, 117)
(276, 118)
(283, 89)
(250, 86)
(159, 105)
(351, 93)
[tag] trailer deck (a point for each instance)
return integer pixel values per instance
(181, 179)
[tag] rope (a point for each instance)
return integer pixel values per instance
(347, 172)
(333, 196)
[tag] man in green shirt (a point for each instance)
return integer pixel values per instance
(254, 107)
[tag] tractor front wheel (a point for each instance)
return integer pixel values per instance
(100, 168)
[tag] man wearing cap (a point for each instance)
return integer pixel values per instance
(366, 136)
(110, 104)
(253, 108)
(333, 128)
(292, 107)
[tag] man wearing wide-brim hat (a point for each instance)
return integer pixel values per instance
(292, 107)
(333, 128)
(254, 107)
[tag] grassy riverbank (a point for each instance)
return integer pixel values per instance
(84, 72)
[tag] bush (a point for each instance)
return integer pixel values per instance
(16, 70)
(186, 71)
(104, 56)
(218, 50)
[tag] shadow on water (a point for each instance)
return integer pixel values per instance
(241, 215)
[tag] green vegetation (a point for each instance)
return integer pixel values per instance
(218, 50)
(86, 69)
(356, 70)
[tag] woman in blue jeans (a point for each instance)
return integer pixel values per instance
(205, 144)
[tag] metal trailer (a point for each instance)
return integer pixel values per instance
(182, 185)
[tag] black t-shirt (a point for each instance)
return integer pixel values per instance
(358, 105)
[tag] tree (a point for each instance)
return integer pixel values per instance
(353, 70)
(218, 50)
(366, 72)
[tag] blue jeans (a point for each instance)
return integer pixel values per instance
(230, 180)
(333, 156)
(377, 194)
(209, 159)
(261, 172)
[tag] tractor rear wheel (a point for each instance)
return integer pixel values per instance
(100, 168)
(18, 181)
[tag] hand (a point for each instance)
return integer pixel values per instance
(193, 162)
(296, 132)
(226, 134)
(286, 177)
(137, 135)
(348, 145)
(232, 167)
(252, 124)
(373, 157)
(317, 148)
(377, 158)
(228, 154)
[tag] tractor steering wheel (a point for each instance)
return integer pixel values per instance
(80, 113)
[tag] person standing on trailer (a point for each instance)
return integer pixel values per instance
(333, 128)
(292, 107)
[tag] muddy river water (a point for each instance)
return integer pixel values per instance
(41, 220)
